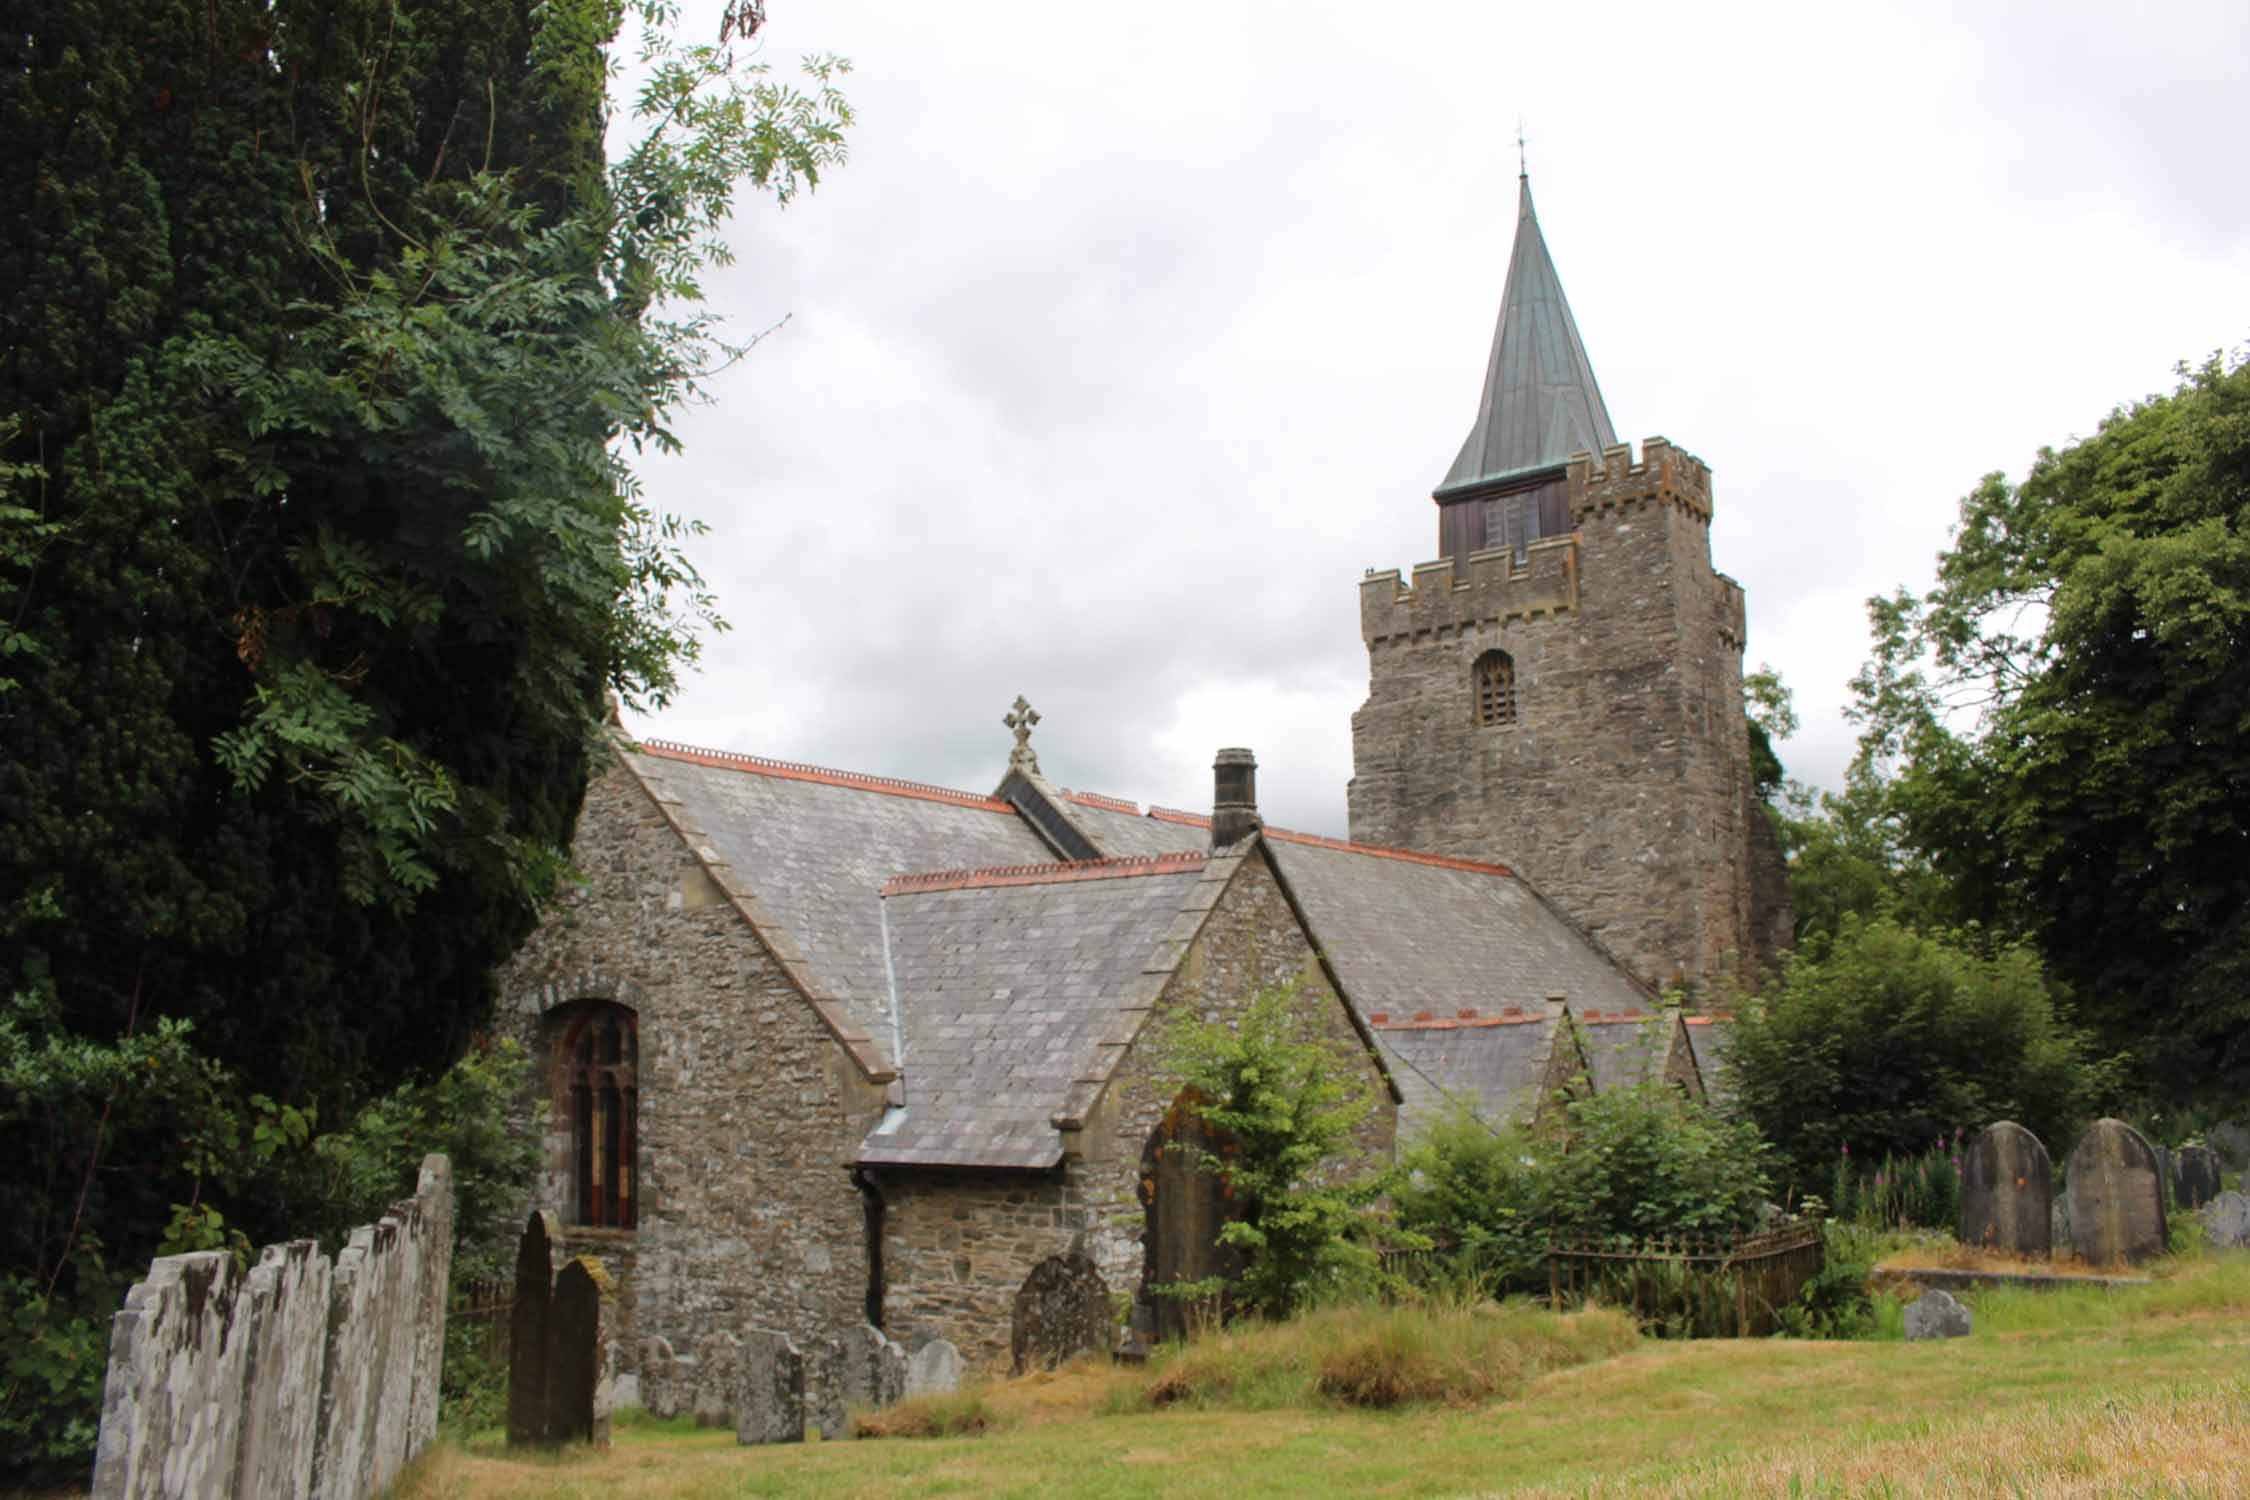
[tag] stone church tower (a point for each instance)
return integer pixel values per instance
(1561, 691)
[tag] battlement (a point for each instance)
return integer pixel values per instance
(1491, 586)
(1665, 475)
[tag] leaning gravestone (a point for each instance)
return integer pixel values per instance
(1937, 1315)
(1062, 1311)
(2226, 1219)
(874, 1368)
(934, 1370)
(578, 1357)
(769, 1405)
(527, 1331)
(2007, 1192)
(2195, 1176)
(2116, 1196)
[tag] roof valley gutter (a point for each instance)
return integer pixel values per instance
(890, 980)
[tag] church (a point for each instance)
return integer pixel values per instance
(819, 1047)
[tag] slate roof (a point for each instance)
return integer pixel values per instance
(1007, 987)
(1540, 403)
(1018, 983)
(1626, 1048)
(1709, 1036)
(814, 848)
(1495, 1064)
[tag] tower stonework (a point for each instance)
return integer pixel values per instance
(1561, 691)
(1621, 786)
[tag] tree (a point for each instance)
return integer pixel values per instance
(1884, 1039)
(2063, 720)
(1287, 1102)
(327, 335)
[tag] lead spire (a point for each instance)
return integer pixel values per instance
(1540, 402)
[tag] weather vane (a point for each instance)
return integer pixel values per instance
(1523, 161)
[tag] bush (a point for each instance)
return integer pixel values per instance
(1637, 1161)
(1920, 1192)
(1885, 1039)
(1288, 1102)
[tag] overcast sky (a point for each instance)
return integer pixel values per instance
(1130, 337)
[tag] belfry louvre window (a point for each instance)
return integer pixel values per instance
(601, 1084)
(1495, 678)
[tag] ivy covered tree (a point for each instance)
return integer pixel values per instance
(327, 334)
(2058, 727)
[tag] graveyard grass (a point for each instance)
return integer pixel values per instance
(2143, 1392)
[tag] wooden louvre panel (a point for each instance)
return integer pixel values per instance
(1495, 688)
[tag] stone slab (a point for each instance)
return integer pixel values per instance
(2115, 1187)
(1062, 1310)
(1937, 1315)
(934, 1369)
(769, 1405)
(2007, 1192)
(2226, 1219)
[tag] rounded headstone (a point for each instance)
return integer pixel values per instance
(1937, 1315)
(2226, 1219)
(934, 1370)
(2195, 1176)
(1062, 1311)
(2116, 1196)
(2007, 1192)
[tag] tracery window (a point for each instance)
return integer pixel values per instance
(600, 1086)
(1495, 680)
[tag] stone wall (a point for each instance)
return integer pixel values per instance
(299, 1378)
(958, 1245)
(1621, 789)
(749, 1112)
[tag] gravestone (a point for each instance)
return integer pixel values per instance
(578, 1357)
(2195, 1176)
(2226, 1219)
(934, 1370)
(2116, 1196)
(2007, 1192)
(769, 1404)
(2232, 1141)
(527, 1331)
(1937, 1315)
(874, 1368)
(824, 1389)
(2059, 1226)
(1062, 1311)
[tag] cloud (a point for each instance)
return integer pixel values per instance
(1126, 342)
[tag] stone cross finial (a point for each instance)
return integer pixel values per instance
(1021, 721)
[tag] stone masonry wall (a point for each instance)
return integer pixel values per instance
(1620, 788)
(749, 1114)
(298, 1378)
(956, 1246)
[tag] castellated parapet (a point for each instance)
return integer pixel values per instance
(1618, 777)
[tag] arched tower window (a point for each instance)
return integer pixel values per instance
(600, 1090)
(1495, 680)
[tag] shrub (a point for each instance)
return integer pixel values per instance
(1637, 1161)
(1886, 1039)
(1288, 1101)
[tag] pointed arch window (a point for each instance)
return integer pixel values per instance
(600, 1081)
(1494, 677)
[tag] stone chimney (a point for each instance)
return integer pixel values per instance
(1234, 797)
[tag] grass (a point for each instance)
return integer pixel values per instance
(2074, 1392)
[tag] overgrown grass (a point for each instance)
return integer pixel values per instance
(2068, 1393)
(1442, 1352)
(961, 1413)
